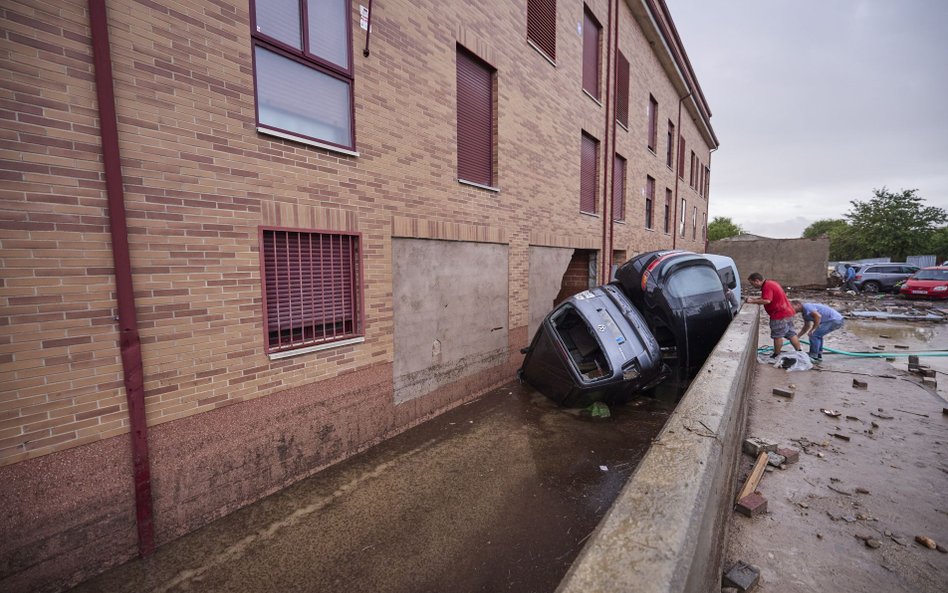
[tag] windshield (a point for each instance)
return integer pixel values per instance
(931, 275)
(692, 281)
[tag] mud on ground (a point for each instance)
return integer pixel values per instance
(845, 517)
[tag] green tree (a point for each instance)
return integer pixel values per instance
(894, 224)
(722, 227)
(822, 227)
(844, 244)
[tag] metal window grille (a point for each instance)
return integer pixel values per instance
(312, 288)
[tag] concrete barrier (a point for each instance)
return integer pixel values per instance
(663, 532)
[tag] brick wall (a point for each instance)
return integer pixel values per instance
(199, 180)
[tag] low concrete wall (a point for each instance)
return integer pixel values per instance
(663, 533)
(791, 262)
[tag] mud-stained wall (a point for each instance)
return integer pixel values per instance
(547, 267)
(450, 316)
(792, 262)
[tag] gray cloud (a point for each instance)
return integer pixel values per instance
(817, 102)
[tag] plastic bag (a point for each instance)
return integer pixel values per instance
(789, 360)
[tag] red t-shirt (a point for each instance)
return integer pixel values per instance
(779, 306)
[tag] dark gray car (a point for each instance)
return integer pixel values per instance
(882, 277)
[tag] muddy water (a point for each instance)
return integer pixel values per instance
(873, 332)
(497, 495)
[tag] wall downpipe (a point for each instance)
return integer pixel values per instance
(677, 169)
(707, 197)
(129, 344)
(608, 158)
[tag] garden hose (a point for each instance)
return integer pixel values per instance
(922, 353)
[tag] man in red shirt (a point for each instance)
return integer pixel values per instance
(778, 307)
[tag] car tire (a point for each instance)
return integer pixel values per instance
(871, 286)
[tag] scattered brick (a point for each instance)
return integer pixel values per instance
(783, 392)
(860, 384)
(913, 361)
(742, 576)
(929, 382)
(754, 446)
(901, 346)
(791, 455)
(752, 505)
(775, 459)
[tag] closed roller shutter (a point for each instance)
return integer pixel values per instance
(541, 25)
(587, 176)
(475, 120)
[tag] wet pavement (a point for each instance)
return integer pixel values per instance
(845, 517)
(496, 495)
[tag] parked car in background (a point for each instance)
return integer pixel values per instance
(683, 299)
(730, 277)
(882, 277)
(595, 346)
(929, 283)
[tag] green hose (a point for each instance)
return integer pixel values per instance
(923, 353)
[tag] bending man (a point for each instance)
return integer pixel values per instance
(818, 320)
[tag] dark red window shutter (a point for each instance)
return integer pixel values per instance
(618, 188)
(668, 207)
(589, 164)
(622, 90)
(591, 34)
(541, 25)
(681, 157)
(475, 119)
(312, 288)
(652, 123)
(649, 201)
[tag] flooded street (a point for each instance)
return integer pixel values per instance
(496, 495)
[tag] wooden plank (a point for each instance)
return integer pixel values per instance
(754, 479)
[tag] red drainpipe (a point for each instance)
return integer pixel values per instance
(678, 168)
(606, 201)
(130, 344)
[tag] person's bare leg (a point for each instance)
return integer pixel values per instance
(778, 345)
(796, 343)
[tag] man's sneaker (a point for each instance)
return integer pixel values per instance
(816, 359)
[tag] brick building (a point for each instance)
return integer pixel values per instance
(328, 226)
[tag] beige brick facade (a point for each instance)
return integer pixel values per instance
(200, 180)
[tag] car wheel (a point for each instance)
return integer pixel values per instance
(871, 286)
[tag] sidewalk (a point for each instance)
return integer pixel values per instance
(845, 517)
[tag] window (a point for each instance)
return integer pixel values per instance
(684, 210)
(668, 210)
(589, 165)
(681, 157)
(541, 25)
(670, 153)
(652, 123)
(691, 177)
(694, 223)
(622, 90)
(618, 189)
(592, 32)
(475, 119)
(649, 200)
(303, 71)
(707, 180)
(700, 179)
(704, 226)
(312, 285)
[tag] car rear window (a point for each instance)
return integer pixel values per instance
(693, 281)
(932, 275)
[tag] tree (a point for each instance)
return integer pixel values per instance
(822, 227)
(722, 227)
(843, 243)
(894, 224)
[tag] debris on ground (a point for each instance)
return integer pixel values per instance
(926, 541)
(754, 446)
(832, 413)
(598, 410)
(783, 392)
(742, 576)
(860, 384)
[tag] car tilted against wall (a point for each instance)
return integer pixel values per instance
(594, 347)
(684, 302)
(662, 318)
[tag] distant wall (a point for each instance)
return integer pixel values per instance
(792, 262)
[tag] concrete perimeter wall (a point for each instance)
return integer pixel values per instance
(791, 262)
(663, 532)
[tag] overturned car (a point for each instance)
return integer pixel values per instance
(595, 346)
(684, 302)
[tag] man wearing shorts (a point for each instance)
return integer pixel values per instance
(781, 313)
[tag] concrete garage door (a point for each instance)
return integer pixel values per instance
(450, 300)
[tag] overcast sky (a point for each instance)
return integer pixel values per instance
(817, 102)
